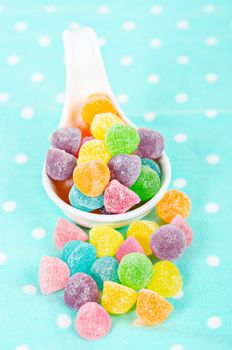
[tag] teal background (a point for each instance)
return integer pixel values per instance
(29, 321)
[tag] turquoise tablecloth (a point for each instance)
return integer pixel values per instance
(170, 66)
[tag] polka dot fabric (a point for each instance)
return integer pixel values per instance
(169, 63)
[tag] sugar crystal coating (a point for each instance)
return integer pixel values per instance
(66, 231)
(125, 169)
(152, 164)
(151, 144)
(59, 164)
(105, 239)
(81, 201)
(130, 245)
(80, 290)
(121, 139)
(67, 139)
(147, 184)
(92, 321)
(101, 123)
(183, 225)
(93, 150)
(142, 231)
(105, 269)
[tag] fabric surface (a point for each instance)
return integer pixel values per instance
(169, 63)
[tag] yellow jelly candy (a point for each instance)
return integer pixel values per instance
(93, 150)
(105, 239)
(101, 123)
(151, 308)
(118, 299)
(142, 231)
(166, 279)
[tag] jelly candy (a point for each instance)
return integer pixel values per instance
(121, 139)
(125, 169)
(105, 269)
(81, 201)
(92, 321)
(152, 308)
(59, 164)
(80, 290)
(142, 232)
(147, 184)
(166, 279)
(62, 189)
(91, 178)
(135, 271)
(101, 123)
(183, 225)
(130, 245)
(66, 231)
(173, 203)
(152, 164)
(118, 198)
(168, 242)
(105, 239)
(67, 139)
(151, 144)
(118, 299)
(93, 150)
(53, 274)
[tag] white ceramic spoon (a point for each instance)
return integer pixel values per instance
(85, 75)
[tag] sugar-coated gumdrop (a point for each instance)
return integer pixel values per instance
(59, 164)
(101, 123)
(81, 201)
(118, 299)
(118, 198)
(166, 279)
(95, 104)
(86, 139)
(67, 139)
(92, 321)
(62, 189)
(130, 245)
(121, 139)
(135, 271)
(93, 150)
(152, 308)
(79, 256)
(173, 203)
(151, 144)
(125, 169)
(91, 178)
(147, 184)
(168, 242)
(80, 290)
(105, 239)
(142, 231)
(152, 164)
(53, 274)
(183, 225)
(105, 269)
(66, 231)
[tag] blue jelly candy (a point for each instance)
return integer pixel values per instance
(80, 201)
(152, 164)
(105, 269)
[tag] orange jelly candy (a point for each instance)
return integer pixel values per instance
(173, 203)
(91, 178)
(151, 308)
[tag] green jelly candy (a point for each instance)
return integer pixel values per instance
(105, 269)
(147, 184)
(121, 139)
(135, 270)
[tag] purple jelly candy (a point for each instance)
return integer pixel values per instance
(168, 242)
(80, 290)
(67, 139)
(125, 169)
(151, 144)
(59, 164)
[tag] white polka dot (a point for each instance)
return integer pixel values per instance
(37, 77)
(2, 258)
(22, 347)
(21, 26)
(211, 77)
(63, 321)
(182, 97)
(4, 97)
(149, 116)
(103, 10)
(156, 9)
(214, 322)
(9, 206)
(29, 289)
(21, 158)
(155, 42)
(212, 208)
(182, 24)
(44, 40)
(13, 59)
(50, 8)
(1, 9)
(180, 138)
(213, 159)
(179, 183)
(122, 98)
(126, 60)
(176, 347)
(211, 113)
(182, 59)
(60, 98)
(179, 295)
(74, 25)
(38, 233)
(212, 260)
(102, 41)
(128, 26)
(153, 79)
(209, 8)
(211, 41)
(27, 113)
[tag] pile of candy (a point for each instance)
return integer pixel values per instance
(118, 272)
(111, 171)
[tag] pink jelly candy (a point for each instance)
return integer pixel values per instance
(118, 198)
(130, 245)
(66, 231)
(183, 225)
(59, 164)
(92, 321)
(53, 274)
